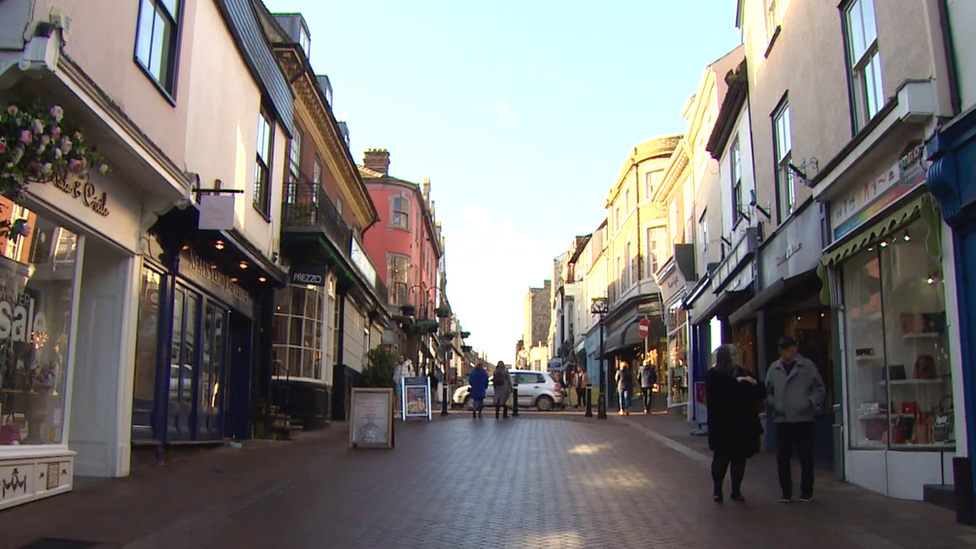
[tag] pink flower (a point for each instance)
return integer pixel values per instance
(65, 145)
(58, 154)
(75, 165)
(55, 132)
(26, 137)
(3, 145)
(37, 126)
(57, 113)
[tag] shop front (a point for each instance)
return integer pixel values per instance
(675, 278)
(886, 265)
(625, 344)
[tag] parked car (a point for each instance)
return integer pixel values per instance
(535, 389)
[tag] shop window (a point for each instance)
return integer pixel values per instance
(35, 313)
(184, 362)
(897, 352)
(677, 356)
(299, 319)
(147, 339)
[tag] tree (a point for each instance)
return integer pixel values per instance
(379, 368)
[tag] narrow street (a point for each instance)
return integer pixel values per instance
(540, 480)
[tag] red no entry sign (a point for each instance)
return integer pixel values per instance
(644, 328)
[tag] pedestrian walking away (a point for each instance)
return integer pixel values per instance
(402, 370)
(733, 396)
(582, 379)
(795, 392)
(502, 383)
(479, 388)
(625, 387)
(648, 378)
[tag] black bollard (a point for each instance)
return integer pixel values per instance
(589, 401)
(444, 401)
(515, 401)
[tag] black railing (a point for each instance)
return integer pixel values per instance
(308, 206)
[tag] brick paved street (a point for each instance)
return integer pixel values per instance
(541, 480)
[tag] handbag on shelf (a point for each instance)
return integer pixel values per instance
(9, 432)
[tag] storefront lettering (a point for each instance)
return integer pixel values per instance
(202, 269)
(18, 320)
(86, 191)
(791, 250)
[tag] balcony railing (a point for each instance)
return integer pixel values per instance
(308, 206)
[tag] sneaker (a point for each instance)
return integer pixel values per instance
(786, 499)
(805, 499)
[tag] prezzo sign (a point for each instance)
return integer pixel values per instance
(18, 320)
(308, 276)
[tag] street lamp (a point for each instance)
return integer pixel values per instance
(600, 306)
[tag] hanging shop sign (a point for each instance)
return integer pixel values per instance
(371, 412)
(870, 198)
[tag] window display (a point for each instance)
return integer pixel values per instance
(678, 357)
(897, 347)
(298, 332)
(37, 267)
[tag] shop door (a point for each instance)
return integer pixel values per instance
(184, 363)
(212, 373)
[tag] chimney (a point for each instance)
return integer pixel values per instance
(377, 160)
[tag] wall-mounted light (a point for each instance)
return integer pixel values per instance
(219, 245)
(884, 243)
(262, 279)
(930, 280)
(234, 280)
(213, 266)
(243, 264)
(186, 247)
(908, 236)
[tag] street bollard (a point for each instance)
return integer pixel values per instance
(589, 401)
(515, 401)
(444, 401)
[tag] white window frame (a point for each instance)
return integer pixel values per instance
(157, 47)
(864, 61)
(735, 165)
(773, 17)
(783, 144)
(703, 235)
(400, 218)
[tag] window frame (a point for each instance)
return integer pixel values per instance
(261, 196)
(169, 87)
(404, 214)
(735, 169)
(864, 68)
(773, 18)
(703, 235)
(782, 125)
(391, 264)
(294, 167)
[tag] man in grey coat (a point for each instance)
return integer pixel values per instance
(795, 391)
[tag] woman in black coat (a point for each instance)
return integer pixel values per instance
(733, 398)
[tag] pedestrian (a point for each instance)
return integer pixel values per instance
(582, 381)
(479, 388)
(648, 378)
(502, 384)
(402, 370)
(733, 397)
(625, 386)
(795, 391)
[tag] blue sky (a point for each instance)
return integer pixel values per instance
(521, 114)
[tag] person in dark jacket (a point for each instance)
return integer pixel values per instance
(479, 388)
(625, 387)
(733, 398)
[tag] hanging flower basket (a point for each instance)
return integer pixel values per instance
(408, 310)
(466, 348)
(443, 312)
(36, 146)
(465, 335)
(448, 336)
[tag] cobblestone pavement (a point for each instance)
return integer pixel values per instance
(540, 480)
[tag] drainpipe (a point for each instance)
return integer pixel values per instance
(951, 60)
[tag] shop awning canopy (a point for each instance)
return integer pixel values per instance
(725, 303)
(922, 206)
(627, 336)
(781, 288)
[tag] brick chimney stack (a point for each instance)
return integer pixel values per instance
(377, 160)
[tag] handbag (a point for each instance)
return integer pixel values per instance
(924, 367)
(9, 432)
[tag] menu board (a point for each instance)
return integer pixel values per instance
(372, 418)
(416, 397)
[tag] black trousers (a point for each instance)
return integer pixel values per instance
(580, 397)
(647, 394)
(798, 436)
(720, 464)
(498, 407)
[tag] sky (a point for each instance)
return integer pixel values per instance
(521, 113)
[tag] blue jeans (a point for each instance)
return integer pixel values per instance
(624, 400)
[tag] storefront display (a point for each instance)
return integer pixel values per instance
(37, 269)
(677, 356)
(899, 375)
(299, 318)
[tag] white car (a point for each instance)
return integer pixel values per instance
(535, 389)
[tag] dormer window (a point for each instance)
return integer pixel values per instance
(305, 41)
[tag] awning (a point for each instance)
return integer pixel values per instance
(627, 336)
(922, 206)
(726, 302)
(781, 288)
